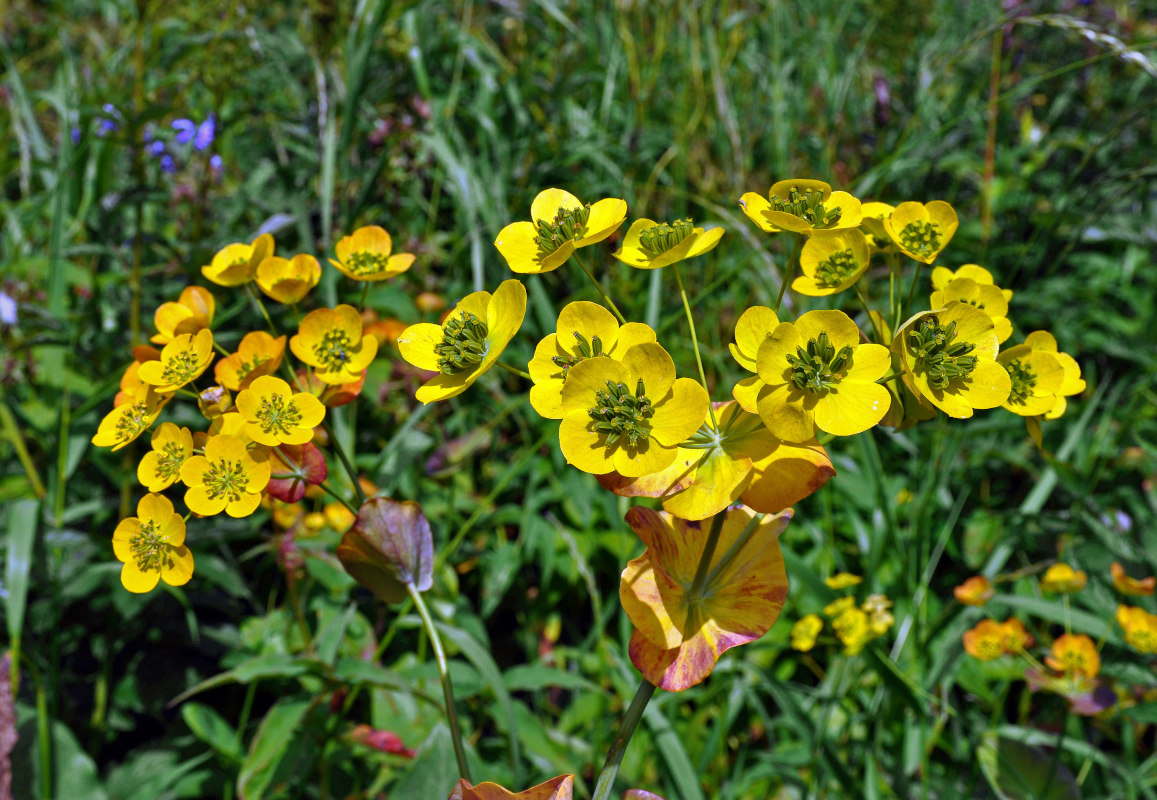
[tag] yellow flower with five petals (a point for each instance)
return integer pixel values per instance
(330, 340)
(1037, 377)
(161, 466)
(560, 224)
(152, 546)
(228, 477)
(275, 415)
(652, 245)
(182, 360)
(365, 255)
(801, 206)
(288, 280)
(236, 264)
(831, 261)
(922, 231)
(985, 296)
(193, 311)
(258, 354)
(130, 419)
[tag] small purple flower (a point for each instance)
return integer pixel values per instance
(205, 133)
(7, 309)
(157, 147)
(215, 162)
(185, 129)
(76, 135)
(167, 163)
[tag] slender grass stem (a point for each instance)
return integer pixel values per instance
(789, 270)
(12, 433)
(911, 292)
(606, 299)
(619, 744)
(350, 469)
(864, 302)
(694, 341)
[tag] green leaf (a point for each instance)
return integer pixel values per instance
(356, 672)
(212, 729)
(531, 677)
(22, 518)
(259, 668)
(1018, 771)
(280, 729)
(434, 771)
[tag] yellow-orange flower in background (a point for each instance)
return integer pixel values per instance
(130, 419)
(467, 343)
(365, 255)
(193, 311)
(805, 632)
(161, 466)
(976, 591)
(1140, 628)
(585, 330)
(1133, 587)
(152, 546)
(275, 415)
(653, 245)
(986, 297)
(679, 636)
(560, 223)
(831, 262)
(182, 360)
(131, 381)
(1074, 653)
(801, 206)
(560, 788)
(330, 340)
(236, 264)
(1016, 638)
(288, 280)
(227, 478)
(1063, 579)
(985, 640)
(922, 231)
(257, 354)
(1072, 382)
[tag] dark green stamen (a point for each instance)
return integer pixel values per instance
(808, 206)
(148, 547)
(938, 356)
(1023, 381)
(463, 343)
(836, 269)
(180, 368)
(333, 350)
(585, 349)
(816, 368)
(226, 479)
(620, 414)
(133, 420)
(277, 415)
(664, 236)
(568, 225)
(169, 461)
(365, 262)
(921, 238)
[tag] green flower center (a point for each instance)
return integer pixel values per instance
(808, 205)
(921, 238)
(333, 351)
(172, 455)
(148, 547)
(181, 368)
(1023, 381)
(817, 367)
(278, 415)
(246, 367)
(665, 236)
(1072, 660)
(568, 225)
(937, 355)
(463, 343)
(836, 269)
(366, 262)
(620, 414)
(586, 349)
(226, 479)
(1144, 639)
(133, 420)
(990, 647)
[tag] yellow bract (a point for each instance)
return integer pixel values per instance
(152, 546)
(130, 419)
(831, 262)
(560, 223)
(288, 280)
(227, 478)
(1140, 628)
(584, 330)
(467, 343)
(258, 354)
(364, 255)
(275, 415)
(236, 264)
(1063, 579)
(922, 231)
(652, 245)
(161, 466)
(330, 340)
(1074, 653)
(988, 298)
(802, 206)
(193, 311)
(182, 360)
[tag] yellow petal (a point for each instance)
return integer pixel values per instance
(605, 218)
(417, 344)
(548, 202)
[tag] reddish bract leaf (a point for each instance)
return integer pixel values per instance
(330, 394)
(560, 788)
(296, 466)
(385, 741)
(388, 548)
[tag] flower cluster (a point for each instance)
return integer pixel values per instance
(854, 624)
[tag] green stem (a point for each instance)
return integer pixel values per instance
(610, 303)
(700, 579)
(345, 460)
(256, 298)
(325, 488)
(444, 673)
(514, 371)
(12, 433)
(622, 739)
(789, 270)
(694, 340)
(911, 292)
(864, 302)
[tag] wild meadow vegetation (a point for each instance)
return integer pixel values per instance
(548, 400)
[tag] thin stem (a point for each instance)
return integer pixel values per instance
(345, 460)
(708, 554)
(298, 613)
(444, 673)
(864, 302)
(256, 298)
(789, 270)
(911, 292)
(610, 303)
(514, 371)
(325, 488)
(694, 340)
(622, 739)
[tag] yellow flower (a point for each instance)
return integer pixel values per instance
(880, 619)
(949, 358)
(986, 640)
(258, 354)
(236, 264)
(652, 245)
(831, 262)
(161, 466)
(874, 214)
(1072, 383)
(182, 360)
(1063, 579)
(678, 637)
(922, 231)
(131, 381)
(193, 311)
(976, 591)
(1133, 587)
(853, 629)
(560, 224)
(801, 206)
(818, 375)
(1016, 638)
(628, 416)
(467, 343)
(129, 420)
(942, 276)
(364, 255)
(585, 330)
(227, 478)
(330, 340)
(842, 580)
(1074, 653)
(1140, 628)
(152, 546)
(275, 415)
(1037, 377)
(805, 632)
(986, 297)
(838, 607)
(288, 280)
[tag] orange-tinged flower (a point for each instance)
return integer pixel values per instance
(1063, 579)
(193, 311)
(922, 231)
(182, 360)
(468, 341)
(275, 415)
(257, 354)
(678, 636)
(227, 478)
(1016, 638)
(1140, 628)
(560, 224)
(831, 262)
(330, 340)
(130, 381)
(129, 420)
(988, 298)
(364, 255)
(1133, 587)
(560, 788)
(288, 280)
(801, 206)
(1074, 653)
(161, 466)
(152, 546)
(429, 302)
(332, 395)
(236, 264)
(976, 591)
(653, 245)
(986, 640)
